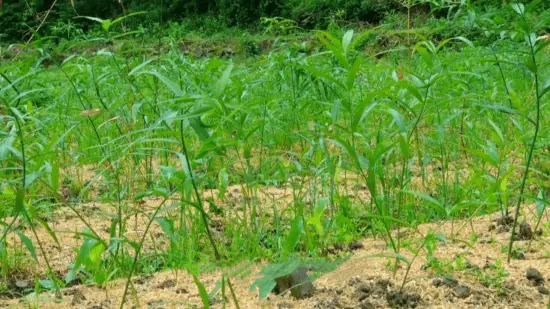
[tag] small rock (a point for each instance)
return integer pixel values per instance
(355, 245)
(534, 275)
(298, 282)
(21, 284)
(543, 290)
(521, 255)
(182, 291)
(461, 291)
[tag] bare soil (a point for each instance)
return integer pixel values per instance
(366, 280)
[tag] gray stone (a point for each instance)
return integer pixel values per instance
(534, 275)
(461, 291)
(298, 283)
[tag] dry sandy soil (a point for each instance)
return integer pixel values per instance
(363, 281)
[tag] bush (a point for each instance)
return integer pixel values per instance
(318, 13)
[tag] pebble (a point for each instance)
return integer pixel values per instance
(461, 291)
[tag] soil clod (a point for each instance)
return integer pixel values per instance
(543, 290)
(355, 245)
(78, 297)
(400, 299)
(504, 220)
(525, 231)
(166, 284)
(534, 275)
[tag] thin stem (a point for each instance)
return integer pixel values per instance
(531, 149)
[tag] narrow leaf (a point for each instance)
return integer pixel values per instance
(28, 243)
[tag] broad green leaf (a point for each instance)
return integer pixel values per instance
(541, 203)
(346, 40)
(222, 83)
(519, 8)
(294, 235)
(545, 87)
(425, 55)
(54, 176)
(430, 200)
(352, 73)
(137, 69)
(200, 128)
(202, 292)
(170, 84)
(28, 243)
(81, 256)
(19, 201)
(399, 120)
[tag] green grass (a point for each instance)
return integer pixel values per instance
(437, 130)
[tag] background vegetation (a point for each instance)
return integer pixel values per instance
(429, 110)
(20, 17)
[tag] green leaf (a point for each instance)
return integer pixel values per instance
(48, 229)
(425, 55)
(398, 120)
(519, 8)
(202, 292)
(397, 256)
(222, 83)
(82, 255)
(200, 128)
(170, 84)
(19, 201)
(294, 235)
(167, 227)
(352, 73)
(541, 203)
(271, 272)
(54, 176)
(119, 19)
(334, 46)
(28, 243)
(223, 181)
(430, 200)
(545, 87)
(346, 40)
